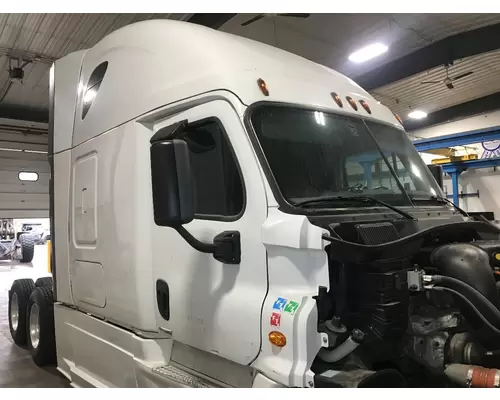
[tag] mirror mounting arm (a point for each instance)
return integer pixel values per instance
(226, 247)
(195, 243)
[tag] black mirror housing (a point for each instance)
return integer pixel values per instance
(172, 181)
(437, 172)
(174, 193)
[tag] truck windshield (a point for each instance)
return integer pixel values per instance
(313, 154)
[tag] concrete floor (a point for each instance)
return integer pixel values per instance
(16, 367)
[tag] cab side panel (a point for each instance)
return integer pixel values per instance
(64, 80)
(110, 210)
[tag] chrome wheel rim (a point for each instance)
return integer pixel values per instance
(34, 326)
(14, 312)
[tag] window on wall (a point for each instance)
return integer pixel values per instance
(219, 188)
(28, 176)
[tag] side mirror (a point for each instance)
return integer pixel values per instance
(174, 193)
(437, 173)
(172, 180)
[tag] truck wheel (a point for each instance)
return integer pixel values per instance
(27, 248)
(19, 295)
(40, 328)
(45, 281)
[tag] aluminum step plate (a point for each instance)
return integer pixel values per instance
(183, 377)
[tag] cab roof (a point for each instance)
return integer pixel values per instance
(154, 63)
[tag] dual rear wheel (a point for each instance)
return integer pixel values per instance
(31, 318)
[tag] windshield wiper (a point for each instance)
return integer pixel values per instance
(358, 199)
(443, 200)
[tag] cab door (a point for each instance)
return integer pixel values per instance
(213, 306)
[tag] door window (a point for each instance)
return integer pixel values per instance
(219, 188)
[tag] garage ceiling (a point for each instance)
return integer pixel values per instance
(409, 93)
(42, 38)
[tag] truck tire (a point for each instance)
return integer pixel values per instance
(40, 326)
(45, 281)
(27, 248)
(19, 295)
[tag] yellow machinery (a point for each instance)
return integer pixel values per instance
(49, 253)
(452, 159)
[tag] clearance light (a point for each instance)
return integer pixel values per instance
(399, 119)
(417, 114)
(368, 52)
(277, 338)
(337, 99)
(263, 86)
(352, 103)
(365, 106)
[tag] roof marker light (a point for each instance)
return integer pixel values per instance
(263, 86)
(368, 52)
(399, 119)
(352, 103)
(337, 99)
(365, 106)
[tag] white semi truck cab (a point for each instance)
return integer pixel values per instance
(227, 214)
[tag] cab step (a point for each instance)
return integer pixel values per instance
(184, 377)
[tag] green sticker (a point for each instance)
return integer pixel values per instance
(291, 307)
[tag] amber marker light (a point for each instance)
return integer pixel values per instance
(365, 105)
(263, 86)
(337, 99)
(352, 103)
(277, 338)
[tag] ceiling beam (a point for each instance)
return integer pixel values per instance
(444, 51)
(459, 111)
(22, 113)
(214, 21)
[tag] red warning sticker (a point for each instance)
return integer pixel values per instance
(275, 319)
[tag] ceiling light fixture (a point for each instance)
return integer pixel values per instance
(368, 52)
(417, 114)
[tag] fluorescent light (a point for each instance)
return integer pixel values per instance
(368, 52)
(417, 114)
(6, 149)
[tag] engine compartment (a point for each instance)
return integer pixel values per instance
(410, 307)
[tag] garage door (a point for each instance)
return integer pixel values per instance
(24, 169)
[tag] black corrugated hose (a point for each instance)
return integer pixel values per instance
(485, 307)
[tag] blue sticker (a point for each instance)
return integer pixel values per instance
(279, 304)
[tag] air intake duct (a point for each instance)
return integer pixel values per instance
(470, 264)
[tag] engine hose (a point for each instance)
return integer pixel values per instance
(473, 376)
(344, 349)
(485, 306)
(493, 329)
